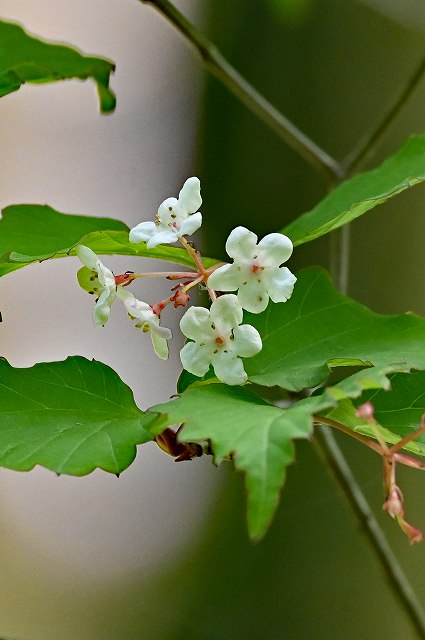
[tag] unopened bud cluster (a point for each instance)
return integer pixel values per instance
(216, 336)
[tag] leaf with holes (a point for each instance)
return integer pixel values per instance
(71, 417)
(24, 58)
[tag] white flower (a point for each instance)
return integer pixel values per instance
(256, 270)
(218, 340)
(148, 322)
(176, 217)
(97, 279)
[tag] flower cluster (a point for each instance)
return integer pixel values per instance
(216, 336)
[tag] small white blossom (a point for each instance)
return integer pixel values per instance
(219, 339)
(97, 279)
(256, 272)
(176, 217)
(148, 321)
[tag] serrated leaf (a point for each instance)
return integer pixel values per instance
(258, 435)
(400, 411)
(345, 414)
(24, 58)
(239, 423)
(71, 417)
(365, 191)
(31, 233)
(319, 326)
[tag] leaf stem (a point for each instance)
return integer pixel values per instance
(342, 472)
(171, 275)
(217, 64)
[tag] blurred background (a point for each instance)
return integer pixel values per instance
(162, 553)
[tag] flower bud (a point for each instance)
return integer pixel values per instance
(180, 298)
(365, 411)
(414, 535)
(394, 504)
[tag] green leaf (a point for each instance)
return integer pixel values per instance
(365, 191)
(239, 424)
(318, 327)
(400, 411)
(256, 434)
(24, 58)
(71, 417)
(345, 414)
(31, 233)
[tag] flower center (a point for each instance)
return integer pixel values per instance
(219, 341)
(255, 268)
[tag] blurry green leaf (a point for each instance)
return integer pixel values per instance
(71, 417)
(319, 326)
(31, 233)
(365, 191)
(291, 11)
(24, 58)
(238, 423)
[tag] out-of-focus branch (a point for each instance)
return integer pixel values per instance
(356, 158)
(217, 64)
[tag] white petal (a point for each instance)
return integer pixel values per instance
(241, 244)
(280, 284)
(190, 224)
(190, 196)
(226, 313)
(195, 359)
(102, 308)
(87, 257)
(141, 310)
(160, 345)
(162, 332)
(105, 275)
(226, 278)
(126, 296)
(143, 232)
(170, 207)
(253, 296)
(229, 369)
(247, 341)
(275, 249)
(162, 237)
(196, 324)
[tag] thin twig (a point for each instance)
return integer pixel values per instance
(356, 158)
(327, 166)
(342, 472)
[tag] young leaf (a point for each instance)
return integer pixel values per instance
(318, 328)
(365, 191)
(239, 424)
(71, 417)
(345, 414)
(31, 233)
(24, 58)
(400, 411)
